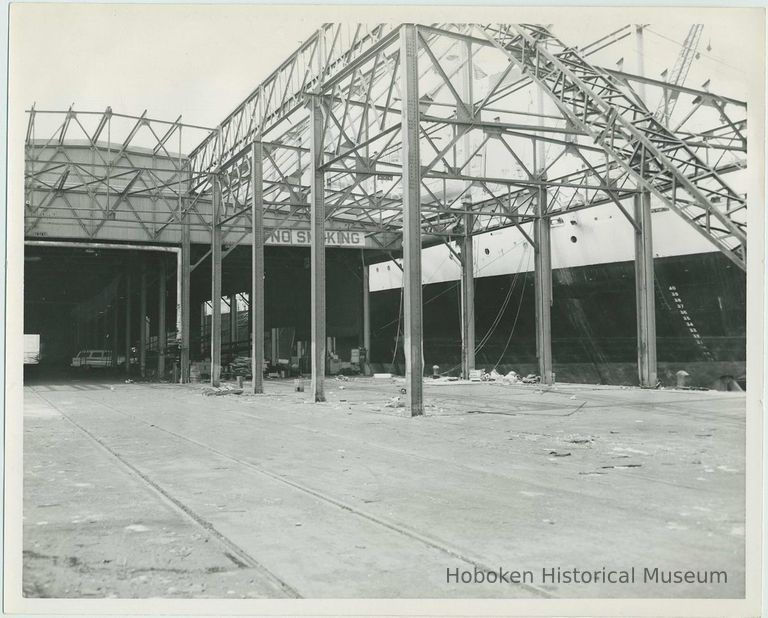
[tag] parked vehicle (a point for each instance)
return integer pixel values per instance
(31, 349)
(96, 359)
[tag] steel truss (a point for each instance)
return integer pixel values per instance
(602, 147)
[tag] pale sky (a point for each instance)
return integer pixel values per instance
(169, 59)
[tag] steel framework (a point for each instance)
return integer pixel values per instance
(408, 135)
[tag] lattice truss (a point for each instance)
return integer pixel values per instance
(104, 175)
(505, 111)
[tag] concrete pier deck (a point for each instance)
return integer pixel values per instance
(157, 490)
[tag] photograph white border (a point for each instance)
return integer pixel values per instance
(752, 20)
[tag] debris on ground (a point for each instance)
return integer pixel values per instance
(129, 381)
(531, 378)
(395, 403)
(512, 377)
(560, 454)
(217, 391)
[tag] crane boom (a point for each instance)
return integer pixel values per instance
(679, 73)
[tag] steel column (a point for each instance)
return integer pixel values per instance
(644, 292)
(366, 318)
(317, 249)
(216, 259)
(467, 254)
(412, 303)
(257, 267)
(143, 321)
(542, 258)
(115, 324)
(128, 322)
(232, 324)
(162, 335)
(185, 300)
(467, 300)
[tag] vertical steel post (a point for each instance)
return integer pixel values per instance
(115, 325)
(275, 345)
(644, 292)
(162, 335)
(542, 257)
(233, 335)
(143, 321)
(216, 259)
(366, 317)
(185, 299)
(202, 328)
(128, 322)
(467, 253)
(467, 299)
(412, 299)
(317, 249)
(257, 267)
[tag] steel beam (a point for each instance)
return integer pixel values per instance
(257, 267)
(412, 299)
(143, 321)
(216, 259)
(185, 300)
(644, 292)
(162, 335)
(542, 258)
(317, 249)
(467, 300)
